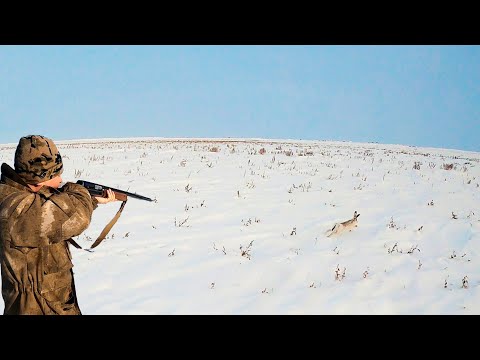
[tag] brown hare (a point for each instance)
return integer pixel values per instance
(339, 228)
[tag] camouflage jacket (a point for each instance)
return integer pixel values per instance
(36, 263)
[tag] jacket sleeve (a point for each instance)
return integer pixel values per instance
(45, 218)
(75, 201)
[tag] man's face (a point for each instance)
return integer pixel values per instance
(54, 182)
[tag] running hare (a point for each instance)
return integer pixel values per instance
(339, 228)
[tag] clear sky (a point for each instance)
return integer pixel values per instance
(412, 95)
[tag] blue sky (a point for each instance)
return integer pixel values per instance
(411, 95)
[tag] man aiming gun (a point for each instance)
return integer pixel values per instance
(38, 219)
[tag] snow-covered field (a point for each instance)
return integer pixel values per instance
(238, 226)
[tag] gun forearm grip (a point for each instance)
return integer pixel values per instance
(120, 196)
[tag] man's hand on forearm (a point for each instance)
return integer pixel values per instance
(110, 197)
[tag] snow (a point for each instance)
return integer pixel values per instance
(235, 231)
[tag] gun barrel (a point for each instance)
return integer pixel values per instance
(98, 189)
(141, 197)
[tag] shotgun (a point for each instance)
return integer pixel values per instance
(101, 190)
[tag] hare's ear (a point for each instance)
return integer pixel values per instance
(356, 216)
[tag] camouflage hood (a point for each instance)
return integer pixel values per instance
(37, 159)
